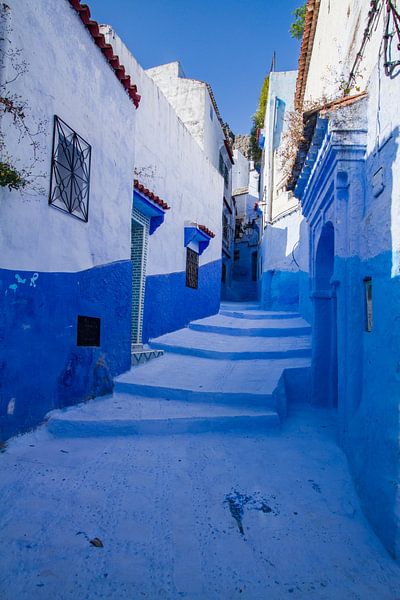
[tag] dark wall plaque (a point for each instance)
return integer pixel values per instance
(88, 331)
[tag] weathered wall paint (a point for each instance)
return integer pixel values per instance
(351, 366)
(54, 267)
(41, 366)
(170, 162)
(81, 88)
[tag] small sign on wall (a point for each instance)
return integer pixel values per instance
(368, 303)
(88, 331)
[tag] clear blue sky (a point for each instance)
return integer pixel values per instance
(228, 43)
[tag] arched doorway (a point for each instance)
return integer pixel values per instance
(324, 355)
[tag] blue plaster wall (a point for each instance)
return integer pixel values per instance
(369, 384)
(287, 291)
(170, 305)
(41, 367)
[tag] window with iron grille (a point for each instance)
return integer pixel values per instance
(70, 171)
(192, 269)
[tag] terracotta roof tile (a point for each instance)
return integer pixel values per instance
(107, 50)
(307, 44)
(151, 195)
(206, 230)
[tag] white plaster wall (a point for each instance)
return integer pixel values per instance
(240, 171)
(338, 38)
(192, 103)
(171, 164)
(335, 47)
(68, 76)
(281, 240)
(187, 96)
(282, 85)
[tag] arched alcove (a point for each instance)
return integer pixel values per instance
(324, 358)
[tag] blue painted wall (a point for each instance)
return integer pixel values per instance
(170, 305)
(354, 192)
(369, 385)
(41, 367)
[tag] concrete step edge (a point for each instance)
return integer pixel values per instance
(252, 331)
(265, 400)
(227, 355)
(164, 426)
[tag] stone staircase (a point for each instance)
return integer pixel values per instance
(232, 371)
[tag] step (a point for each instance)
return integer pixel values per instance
(256, 314)
(249, 305)
(192, 379)
(252, 327)
(226, 347)
(144, 355)
(127, 415)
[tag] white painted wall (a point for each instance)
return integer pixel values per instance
(344, 23)
(281, 247)
(338, 38)
(67, 75)
(192, 103)
(273, 183)
(240, 171)
(172, 164)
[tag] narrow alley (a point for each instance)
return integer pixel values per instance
(199, 300)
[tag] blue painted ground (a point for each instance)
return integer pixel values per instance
(223, 498)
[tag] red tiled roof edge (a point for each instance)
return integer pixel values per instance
(221, 122)
(107, 50)
(206, 230)
(156, 199)
(307, 44)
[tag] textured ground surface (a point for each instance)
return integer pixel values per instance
(202, 517)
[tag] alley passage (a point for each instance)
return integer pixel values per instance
(221, 496)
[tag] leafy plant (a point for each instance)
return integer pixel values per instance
(258, 121)
(13, 115)
(297, 27)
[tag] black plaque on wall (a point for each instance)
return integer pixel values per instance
(88, 331)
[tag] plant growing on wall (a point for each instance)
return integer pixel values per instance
(297, 27)
(13, 114)
(258, 121)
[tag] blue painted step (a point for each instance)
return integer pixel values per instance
(127, 415)
(226, 347)
(226, 325)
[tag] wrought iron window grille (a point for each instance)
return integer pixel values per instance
(192, 269)
(70, 171)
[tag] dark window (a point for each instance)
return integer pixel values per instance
(236, 255)
(88, 333)
(223, 274)
(70, 171)
(368, 303)
(254, 266)
(192, 269)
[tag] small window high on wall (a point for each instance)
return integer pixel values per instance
(70, 171)
(192, 269)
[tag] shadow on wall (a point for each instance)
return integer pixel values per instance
(369, 381)
(285, 287)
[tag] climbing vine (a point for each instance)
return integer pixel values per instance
(14, 111)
